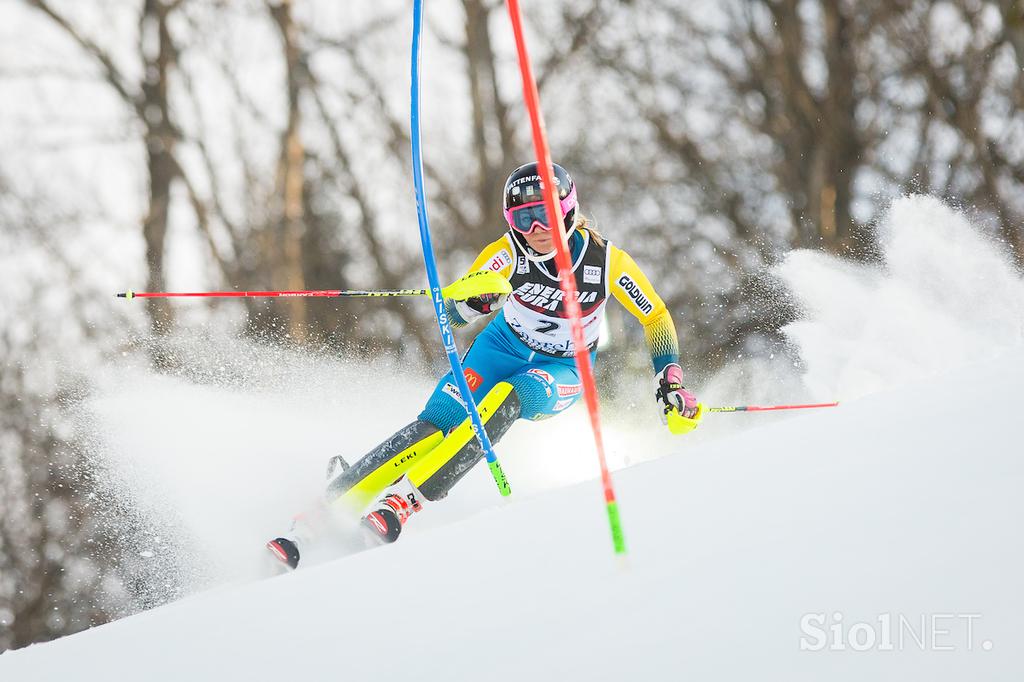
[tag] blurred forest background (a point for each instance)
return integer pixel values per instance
(247, 144)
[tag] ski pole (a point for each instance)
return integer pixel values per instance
(473, 284)
(769, 408)
(325, 293)
(678, 424)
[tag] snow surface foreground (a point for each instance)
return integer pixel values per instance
(903, 505)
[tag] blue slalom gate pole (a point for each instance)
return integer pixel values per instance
(447, 337)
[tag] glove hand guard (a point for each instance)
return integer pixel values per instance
(481, 305)
(478, 293)
(669, 391)
(476, 284)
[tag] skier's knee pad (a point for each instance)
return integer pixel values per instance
(544, 392)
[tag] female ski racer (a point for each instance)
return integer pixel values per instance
(520, 366)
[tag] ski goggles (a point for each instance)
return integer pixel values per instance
(534, 216)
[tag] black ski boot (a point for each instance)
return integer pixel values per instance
(285, 551)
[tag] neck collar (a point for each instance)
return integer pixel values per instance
(533, 255)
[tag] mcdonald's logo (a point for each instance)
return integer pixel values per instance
(473, 380)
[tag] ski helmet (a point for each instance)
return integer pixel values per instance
(524, 200)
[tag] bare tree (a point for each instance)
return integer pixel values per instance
(284, 251)
(148, 99)
(973, 91)
(60, 568)
(756, 127)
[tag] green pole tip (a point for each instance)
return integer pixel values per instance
(499, 477)
(618, 536)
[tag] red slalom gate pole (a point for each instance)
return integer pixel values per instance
(770, 408)
(566, 281)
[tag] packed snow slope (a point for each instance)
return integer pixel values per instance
(905, 503)
(879, 540)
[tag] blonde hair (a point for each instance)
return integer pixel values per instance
(582, 222)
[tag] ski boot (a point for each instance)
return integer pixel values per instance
(286, 551)
(305, 528)
(384, 524)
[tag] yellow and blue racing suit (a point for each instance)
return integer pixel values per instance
(520, 366)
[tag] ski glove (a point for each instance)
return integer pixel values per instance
(478, 306)
(668, 389)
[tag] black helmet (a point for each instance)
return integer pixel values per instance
(523, 187)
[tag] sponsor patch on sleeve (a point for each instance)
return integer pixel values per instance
(500, 260)
(636, 294)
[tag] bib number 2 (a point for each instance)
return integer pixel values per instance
(546, 327)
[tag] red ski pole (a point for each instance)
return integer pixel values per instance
(473, 284)
(770, 408)
(328, 293)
